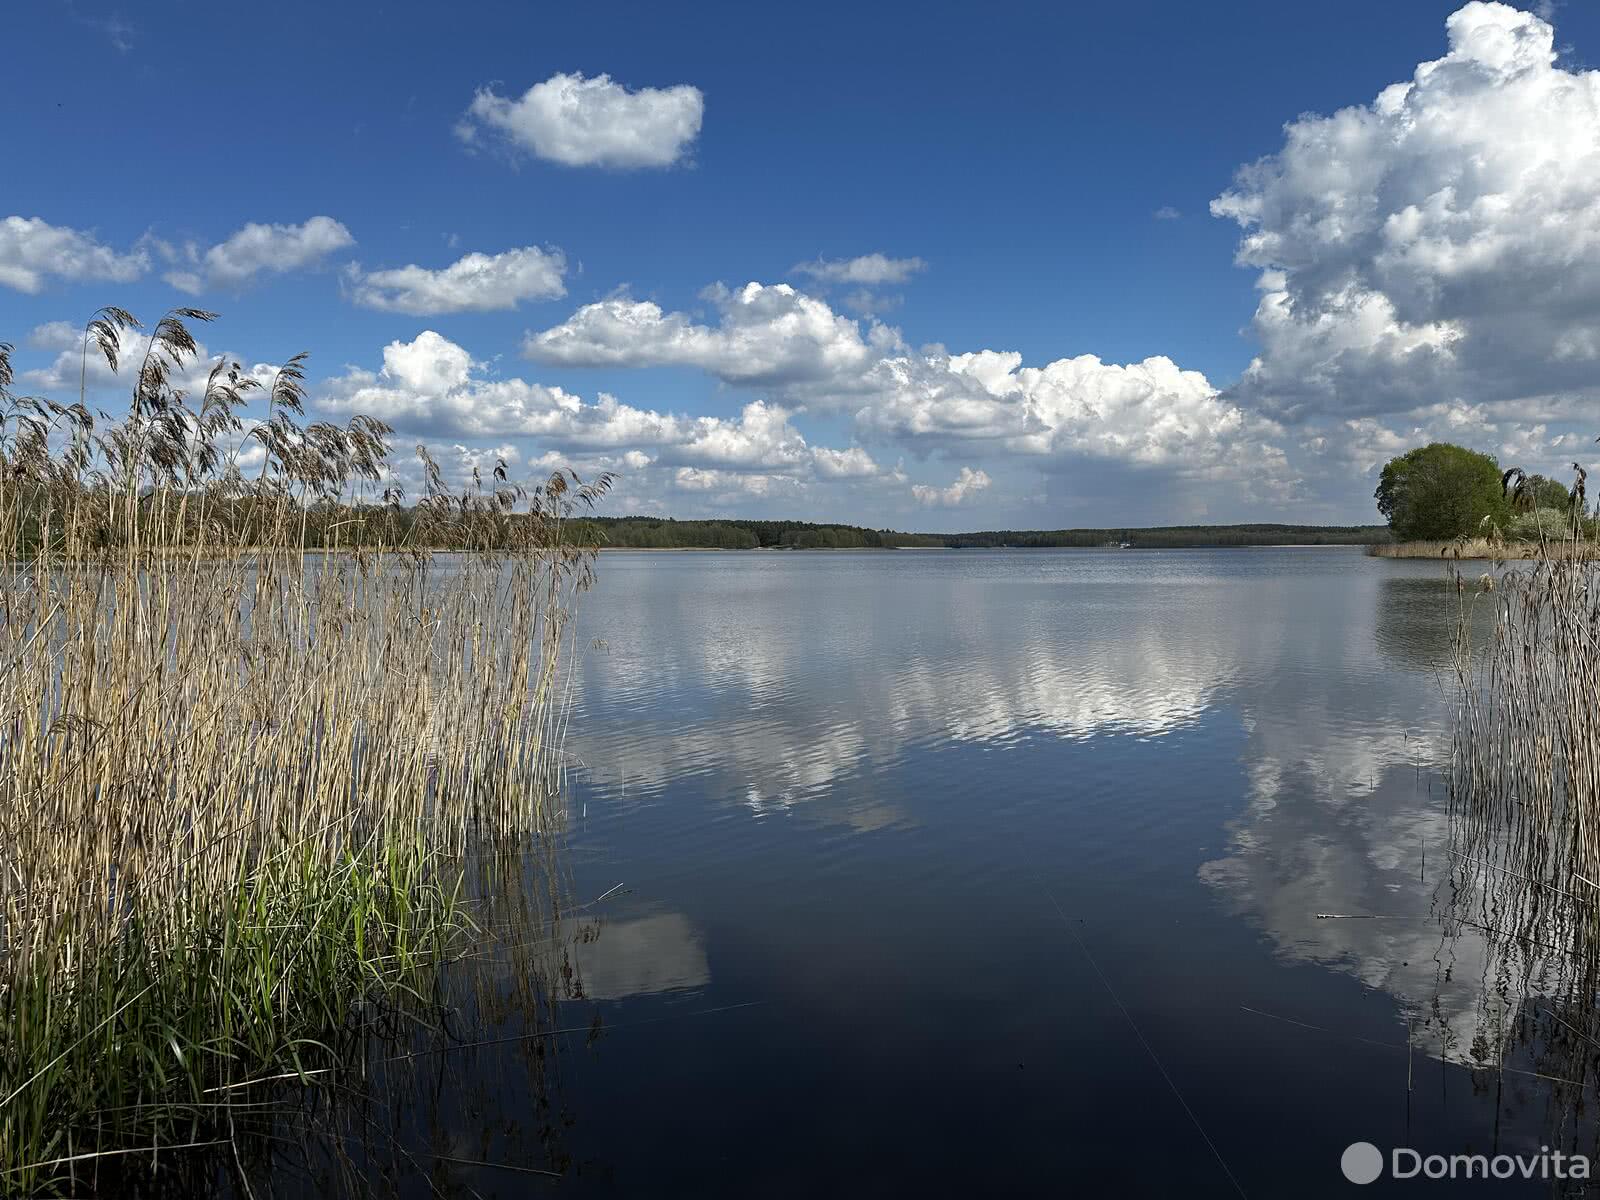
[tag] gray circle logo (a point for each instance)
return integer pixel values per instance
(1362, 1162)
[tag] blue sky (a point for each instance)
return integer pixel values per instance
(964, 183)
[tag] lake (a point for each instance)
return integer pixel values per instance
(1001, 872)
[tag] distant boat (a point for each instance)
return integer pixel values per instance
(1124, 545)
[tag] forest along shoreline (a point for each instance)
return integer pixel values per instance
(664, 533)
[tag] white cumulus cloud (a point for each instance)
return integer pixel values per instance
(850, 463)
(32, 251)
(802, 353)
(869, 269)
(473, 283)
(432, 386)
(255, 248)
(1441, 241)
(590, 122)
(768, 333)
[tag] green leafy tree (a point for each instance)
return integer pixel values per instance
(1441, 491)
(1547, 493)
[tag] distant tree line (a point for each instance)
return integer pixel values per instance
(330, 524)
(663, 533)
(1178, 536)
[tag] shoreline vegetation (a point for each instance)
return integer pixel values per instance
(1524, 794)
(244, 788)
(1487, 549)
(1447, 501)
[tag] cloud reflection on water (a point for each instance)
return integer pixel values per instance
(773, 699)
(638, 956)
(1348, 814)
(780, 690)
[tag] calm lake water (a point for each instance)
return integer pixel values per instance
(1000, 873)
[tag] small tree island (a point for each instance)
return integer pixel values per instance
(1442, 493)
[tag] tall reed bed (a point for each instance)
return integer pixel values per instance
(238, 779)
(1526, 753)
(1487, 548)
(1524, 875)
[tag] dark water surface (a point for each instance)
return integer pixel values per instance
(999, 873)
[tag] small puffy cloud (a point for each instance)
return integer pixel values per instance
(767, 334)
(966, 485)
(473, 283)
(1166, 213)
(1442, 240)
(54, 335)
(596, 122)
(850, 463)
(33, 251)
(276, 249)
(429, 365)
(870, 270)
